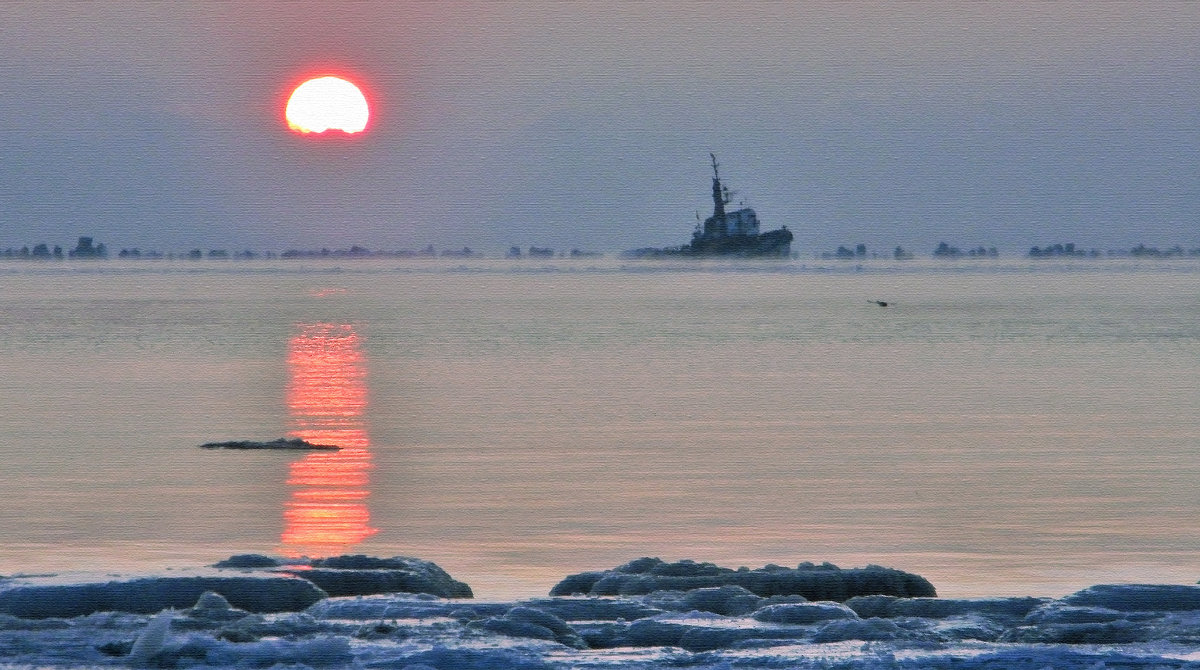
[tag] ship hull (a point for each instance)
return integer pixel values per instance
(771, 244)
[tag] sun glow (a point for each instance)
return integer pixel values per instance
(327, 103)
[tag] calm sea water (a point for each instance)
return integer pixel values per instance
(1005, 427)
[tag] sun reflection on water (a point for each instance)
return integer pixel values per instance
(327, 512)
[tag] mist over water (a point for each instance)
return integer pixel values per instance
(1003, 427)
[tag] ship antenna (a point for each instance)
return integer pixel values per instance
(719, 199)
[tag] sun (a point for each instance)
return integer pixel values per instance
(327, 103)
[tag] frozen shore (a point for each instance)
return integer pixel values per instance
(253, 611)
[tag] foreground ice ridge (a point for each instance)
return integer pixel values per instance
(251, 582)
(713, 628)
(814, 582)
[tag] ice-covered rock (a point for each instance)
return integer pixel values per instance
(249, 561)
(359, 575)
(212, 609)
(702, 634)
(1138, 597)
(321, 652)
(1060, 613)
(404, 606)
(1111, 632)
(533, 623)
(941, 608)
(959, 628)
(594, 609)
(41, 597)
(803, 614)
(867, 630)
(814, 582)
(654, 632)
(727, 600)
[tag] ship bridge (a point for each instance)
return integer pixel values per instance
(727, 224)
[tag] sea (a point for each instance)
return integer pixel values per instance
(1000, 427)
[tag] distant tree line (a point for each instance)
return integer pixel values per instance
(87, 248)
(1062, 250)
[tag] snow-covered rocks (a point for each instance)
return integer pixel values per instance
(814, 582)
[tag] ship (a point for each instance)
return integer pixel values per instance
(726, 234)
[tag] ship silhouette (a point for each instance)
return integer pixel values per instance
(726, 233)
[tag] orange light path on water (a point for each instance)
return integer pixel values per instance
(327, 395)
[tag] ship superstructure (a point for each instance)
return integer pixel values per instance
(725, 233)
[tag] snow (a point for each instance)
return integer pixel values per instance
(722, 627)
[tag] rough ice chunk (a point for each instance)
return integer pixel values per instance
(1059, 613)
(370, 582)
(151, 641)
(940, 608)
(404, 606)
(728, 600)
(595, 609)
(1112, 632)
(867, 630)
(814, 582)
(804, 614)
(1138, 597)
(533, 623)
(247, 561)
(358, 575)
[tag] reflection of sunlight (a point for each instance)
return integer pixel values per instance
(327, 513)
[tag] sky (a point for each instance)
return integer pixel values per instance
(588, 125)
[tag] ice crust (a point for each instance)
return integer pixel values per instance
(721, 627)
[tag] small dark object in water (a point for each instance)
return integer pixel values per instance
(881, 303)
(281, 443)
(116, 648)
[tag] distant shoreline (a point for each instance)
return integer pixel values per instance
(86, 251)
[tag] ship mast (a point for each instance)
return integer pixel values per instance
(718, 195)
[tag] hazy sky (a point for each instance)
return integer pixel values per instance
(588, 125)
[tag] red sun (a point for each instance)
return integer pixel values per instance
(327, 103)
